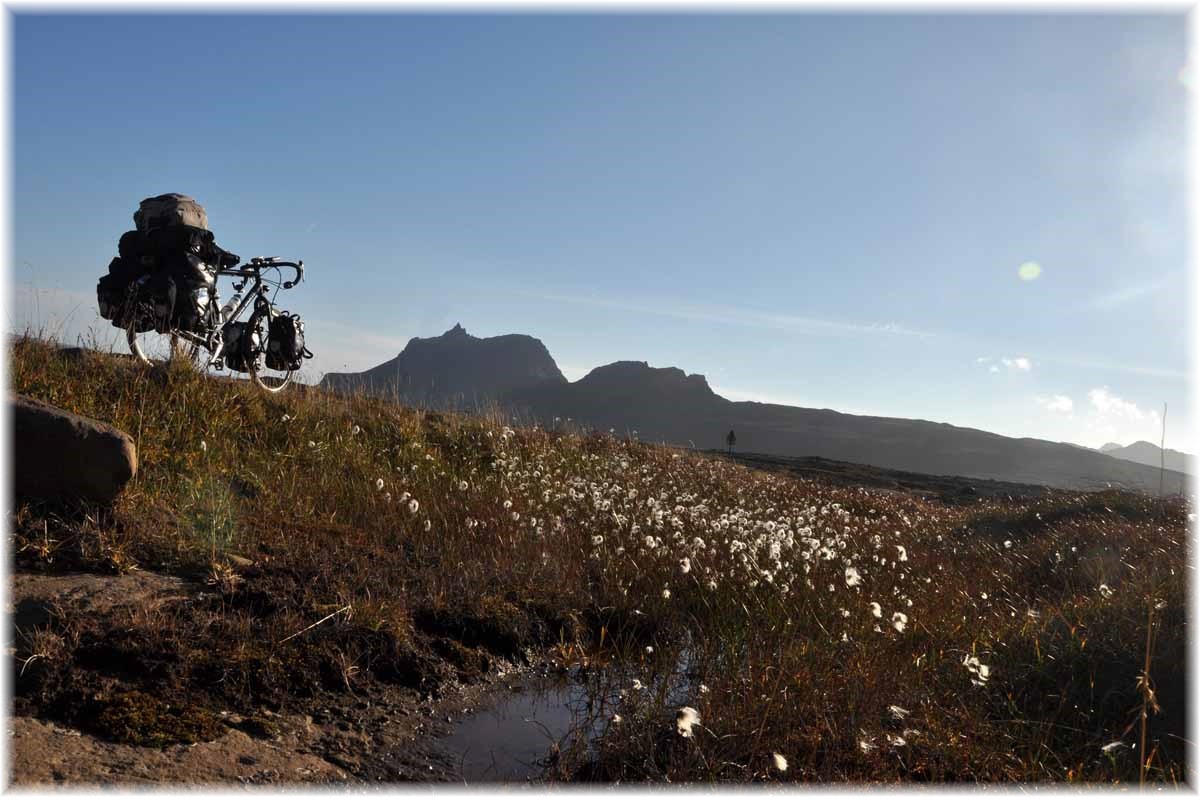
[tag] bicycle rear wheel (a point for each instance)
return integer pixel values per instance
(151, 347)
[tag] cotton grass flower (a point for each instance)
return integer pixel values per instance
(204, 446)
(980, 671)
(780, 762)
(413, 506)
(899, 621)
(853, 579)
(685, 720)
(876, 610)
(379, 484)
(1106, 591)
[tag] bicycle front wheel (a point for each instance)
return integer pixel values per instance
(270, 381)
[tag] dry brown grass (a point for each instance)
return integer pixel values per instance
(525, 539)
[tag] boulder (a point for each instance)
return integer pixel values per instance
(64, 456)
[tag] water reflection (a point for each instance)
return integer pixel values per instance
(511, 739)
(525, 724)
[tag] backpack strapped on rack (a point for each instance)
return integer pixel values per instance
(174, 249)
(169, 210)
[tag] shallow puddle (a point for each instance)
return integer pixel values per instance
(522, 722)
(510, 738)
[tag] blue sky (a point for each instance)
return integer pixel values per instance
(827, 211)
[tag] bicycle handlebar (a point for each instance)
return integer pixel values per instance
(257, 264)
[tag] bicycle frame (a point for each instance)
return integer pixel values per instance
(214, 343)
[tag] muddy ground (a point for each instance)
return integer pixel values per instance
(371, 733)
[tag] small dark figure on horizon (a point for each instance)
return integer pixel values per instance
(731, 441)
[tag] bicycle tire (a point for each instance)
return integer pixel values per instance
(256, 323)
(177, 347)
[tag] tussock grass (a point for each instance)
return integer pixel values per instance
(860, 635)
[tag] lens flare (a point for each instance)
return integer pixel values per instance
(1029, 271)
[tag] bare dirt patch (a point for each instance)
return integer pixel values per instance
(45, 752)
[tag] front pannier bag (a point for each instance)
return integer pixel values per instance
(241, 343)
(285, 343)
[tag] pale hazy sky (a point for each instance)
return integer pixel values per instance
(820, 210)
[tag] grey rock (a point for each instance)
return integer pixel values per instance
(61, 455)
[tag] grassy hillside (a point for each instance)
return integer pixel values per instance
(857, 634)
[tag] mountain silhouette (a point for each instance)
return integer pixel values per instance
(1150, 454)
(666, 405)
(455, 371)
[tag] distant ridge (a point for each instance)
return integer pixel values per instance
(1149, 454)
(517, 374)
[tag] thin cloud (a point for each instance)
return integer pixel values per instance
(360, 336)
(1131, 293)
(1057, 403)
(1011, 363)
(1017, 363)
(708, 314)
(1105, 365)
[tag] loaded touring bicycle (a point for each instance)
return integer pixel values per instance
(163, 291)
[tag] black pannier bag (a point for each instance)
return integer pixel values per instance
(240, 344)
(132, 300)
(285, 343)
(143, 304)
(111, 293)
